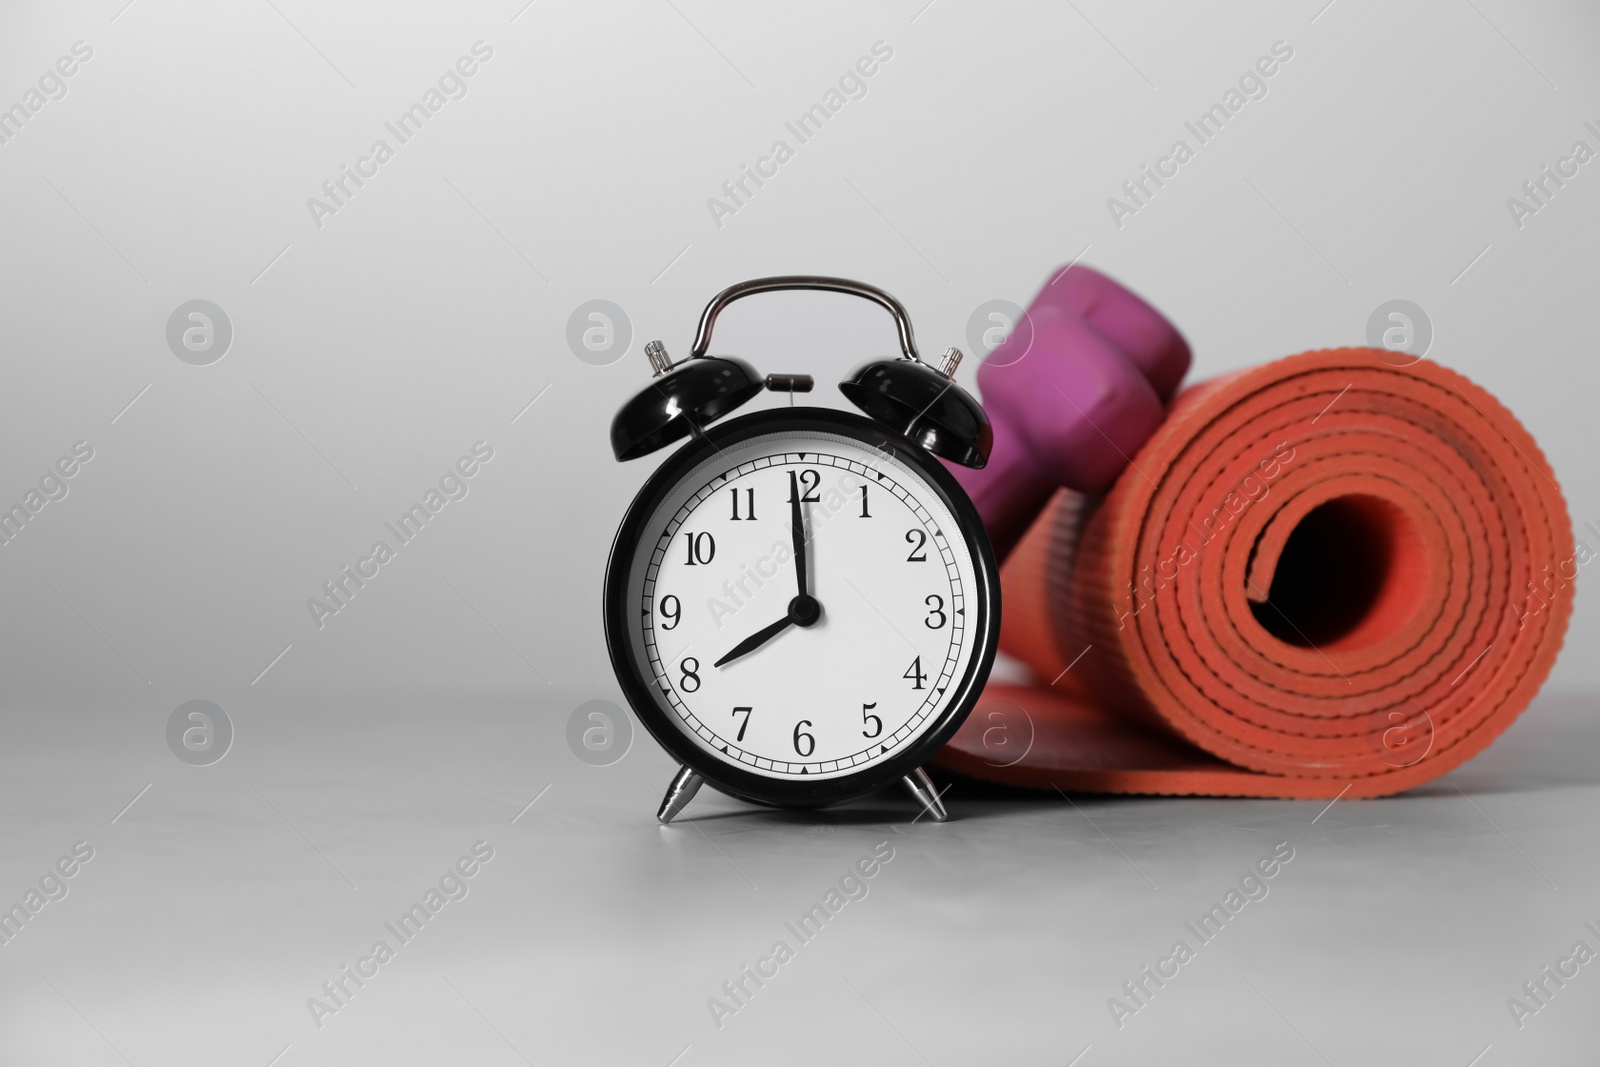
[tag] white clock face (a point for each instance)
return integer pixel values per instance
(893, 583)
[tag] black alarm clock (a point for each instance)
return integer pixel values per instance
(801, 604)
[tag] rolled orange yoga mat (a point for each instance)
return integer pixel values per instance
(1325, 573)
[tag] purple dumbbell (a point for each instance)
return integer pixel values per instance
(1072, 395)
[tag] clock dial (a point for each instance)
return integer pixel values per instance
(803, 605)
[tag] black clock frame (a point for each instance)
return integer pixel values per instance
(639, 686)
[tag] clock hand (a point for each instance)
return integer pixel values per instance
(803, 611)
(798, 529)
(756, 640)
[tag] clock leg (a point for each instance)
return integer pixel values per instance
(920, 786)
(685, 784)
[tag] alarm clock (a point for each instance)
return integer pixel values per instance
(801, 604)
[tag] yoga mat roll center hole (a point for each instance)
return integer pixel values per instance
(1345, 577)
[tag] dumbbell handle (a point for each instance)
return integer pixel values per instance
(1009, 491)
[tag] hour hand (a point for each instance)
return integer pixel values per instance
(757, 639)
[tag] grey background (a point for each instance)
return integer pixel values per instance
(369, 354)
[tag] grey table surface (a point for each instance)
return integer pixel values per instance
(219, 902)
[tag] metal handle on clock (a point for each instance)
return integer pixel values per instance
(708, 317)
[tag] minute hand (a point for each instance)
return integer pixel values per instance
(798, 527)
